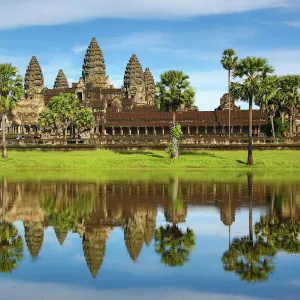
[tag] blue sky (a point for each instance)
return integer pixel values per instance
(186, 35)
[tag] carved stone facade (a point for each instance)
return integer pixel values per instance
(228, 101)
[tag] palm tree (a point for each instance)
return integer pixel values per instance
(174, 245)
(270, 98)
(173, 91)
(11, 247)
(251, 71)
(290, 86)
(229, 62)
(11, 89)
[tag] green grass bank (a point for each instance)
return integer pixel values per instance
(104, 159)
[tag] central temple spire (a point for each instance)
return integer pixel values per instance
(94, 69)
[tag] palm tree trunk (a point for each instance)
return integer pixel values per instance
(174, 197)
(291, 126)
(273, 129)
(4, 149)
(250, 145)
(174, 153)
(229, 111)
(4, 191)
(291, 205)
(250, 194)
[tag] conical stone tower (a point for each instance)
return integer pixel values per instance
(34, 80)
(134, 83)
(150, 225)
(149, 87)
(94, 246)
(61, 81)
(60, 235)
(34, 236)
(134, 232)
(94, 69)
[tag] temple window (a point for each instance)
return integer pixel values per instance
(79, 96)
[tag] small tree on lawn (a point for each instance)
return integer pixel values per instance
(11, 90)
(172, 91)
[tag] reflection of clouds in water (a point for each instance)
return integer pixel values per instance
(79, 258)
(295, 282)
(34, 291)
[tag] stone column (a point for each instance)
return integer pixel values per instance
(241, 129)
(163, 131)
(188, 130)
(121, 131)
(129, 129)
(113, 130)
(197, 130)
(146, 130)
(154, 130)
(137, 130)
(205, 129)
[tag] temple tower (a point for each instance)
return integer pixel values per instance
(34, 80)
(94, 246)
(34, 236)
(61, 81)
(94, 69)
(149, 87)
(134, 83)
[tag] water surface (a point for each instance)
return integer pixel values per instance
(150, 236)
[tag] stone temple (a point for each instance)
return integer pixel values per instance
(129, 110)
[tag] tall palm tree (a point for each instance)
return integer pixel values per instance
(229, 61)
(251, 71)
(11, 89)
(173, 91)
(290, 86)
(270, 98)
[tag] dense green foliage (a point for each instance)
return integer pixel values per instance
(11, 247)
(11, 90)
(62, 112)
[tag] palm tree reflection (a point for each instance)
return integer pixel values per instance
(171, 242)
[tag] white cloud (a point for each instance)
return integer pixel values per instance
(79, 49)
(293, 23)
(48, 12)
(16, 289)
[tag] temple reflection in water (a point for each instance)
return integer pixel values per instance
(93, 210)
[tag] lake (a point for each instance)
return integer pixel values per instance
(150, 235)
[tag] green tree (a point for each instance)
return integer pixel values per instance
(290, 86)
(174, 245)
(172, 91)
(270, 98)
(62, 112)
(11, 247)
(251, 71)
(11, 90)
(229, 61)
(84, 121)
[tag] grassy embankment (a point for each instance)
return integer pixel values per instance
(104, 159)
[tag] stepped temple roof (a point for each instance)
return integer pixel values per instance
(94, 69)
(149, 81)
(133, 73)
(61, 81)
(34, 236)
(34, 80)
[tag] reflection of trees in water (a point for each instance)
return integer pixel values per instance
(11, 247)
(172, 243)
(252, 260)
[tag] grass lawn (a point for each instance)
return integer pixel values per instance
(104, 159)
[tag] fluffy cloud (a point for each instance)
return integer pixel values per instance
(20, 13)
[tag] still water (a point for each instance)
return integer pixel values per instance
(164, 236)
